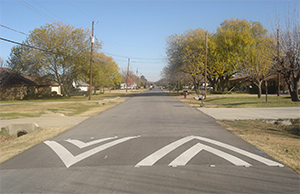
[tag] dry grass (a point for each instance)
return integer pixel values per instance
(10, 147)
(36, 109)
(280, 142)
(79, 108)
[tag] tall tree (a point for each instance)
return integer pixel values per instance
(62, 53)
(105, 71)
(232, 39)
(186, 53)
(257, 60)
(288, 56)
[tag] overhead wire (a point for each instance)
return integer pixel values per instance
(114, 42)
(51, 19)
(36, 10)
(136, 45)
(49, 11)
(14, 30)
(140, 58)
(79, 9)
(26, 45)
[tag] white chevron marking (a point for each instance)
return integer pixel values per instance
(151, 159)
(185, 157)
(189, 154)
(68, 158)
(81, 144)
(240, 151)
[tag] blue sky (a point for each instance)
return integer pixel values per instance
(131, 29)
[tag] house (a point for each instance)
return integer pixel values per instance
(80, 84)
(272, 80)
(14, 85)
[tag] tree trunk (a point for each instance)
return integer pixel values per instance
(294, 96)
(258, 84)
(223, 83)
(196, 85)
(292, 82)
(294, 92)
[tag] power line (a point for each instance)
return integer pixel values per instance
(120, 43)
(140, 58)
(79, 9)
(14, 30)
(142, 62)
(49, 11)
(14, 42)
(36, 10)
(136, 45)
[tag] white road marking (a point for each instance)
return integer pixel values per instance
(81, 144)
(243, 152)
(185, 157)
(151, 159)
(68, 158)
(189, 154)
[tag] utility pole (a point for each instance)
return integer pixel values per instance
(205, 69)
(278, 72)
(91, 62)
(127, 74)
(137, 78)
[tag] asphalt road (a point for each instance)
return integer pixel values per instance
(151, 143)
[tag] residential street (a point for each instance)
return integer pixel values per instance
(151, 143)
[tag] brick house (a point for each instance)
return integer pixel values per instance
(15, 85)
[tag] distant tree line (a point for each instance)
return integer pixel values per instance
(238, 47)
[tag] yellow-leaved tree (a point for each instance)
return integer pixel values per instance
(186, 53)
(233, 37)
(57, 51)
(106, 72)
(258, 60)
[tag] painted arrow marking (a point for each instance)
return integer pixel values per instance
(68, 158)
(189, 154)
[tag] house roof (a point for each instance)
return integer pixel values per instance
(11, 78)
(271, 77)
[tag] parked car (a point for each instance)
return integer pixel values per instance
(207, 87)
(78, 92)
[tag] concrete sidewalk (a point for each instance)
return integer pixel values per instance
(54, 120)
(252, 113)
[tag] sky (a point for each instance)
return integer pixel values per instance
(134, 31)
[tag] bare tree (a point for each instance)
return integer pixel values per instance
(288, 51)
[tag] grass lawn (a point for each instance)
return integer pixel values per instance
(240, 101)
(69, 106)
(280, 142)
